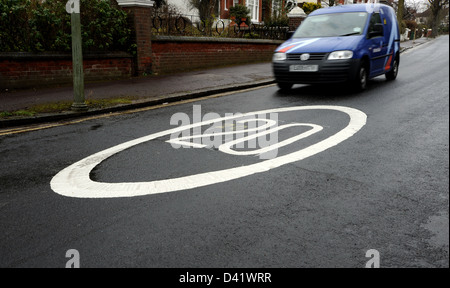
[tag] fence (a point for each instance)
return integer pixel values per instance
(168, 24)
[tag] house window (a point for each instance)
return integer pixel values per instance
(253, 5)
(228, 4)
(276, 8)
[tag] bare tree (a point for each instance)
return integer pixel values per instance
(329, 2)
(159, 3)
(206, 8)
(436, 7)
(411, 8)
(400, 10)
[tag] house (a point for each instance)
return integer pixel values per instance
(255, 7)
(223, 6)
(328, 3)
(182, 6)
(258, 9)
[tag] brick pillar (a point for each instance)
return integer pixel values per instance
(141, 12)
(296, 16)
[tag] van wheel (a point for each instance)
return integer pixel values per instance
(285, 86)
(391, 75)
(361, 77)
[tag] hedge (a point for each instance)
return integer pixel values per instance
(39, 25)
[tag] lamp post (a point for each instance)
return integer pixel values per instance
(79, 104)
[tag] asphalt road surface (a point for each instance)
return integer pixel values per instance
(356, 179)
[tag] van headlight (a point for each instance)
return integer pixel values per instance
(339, 55)
(279, 57)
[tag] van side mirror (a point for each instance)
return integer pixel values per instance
(377, 30)
(289, 34)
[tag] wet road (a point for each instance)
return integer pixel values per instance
(351, 172)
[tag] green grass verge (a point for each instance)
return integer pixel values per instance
(64, 106)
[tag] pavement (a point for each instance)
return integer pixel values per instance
(144, 91)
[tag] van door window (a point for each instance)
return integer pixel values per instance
(377, 49)
(375, 26)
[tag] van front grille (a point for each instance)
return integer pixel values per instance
(312, 56)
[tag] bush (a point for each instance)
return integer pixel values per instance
(411, 24)
(36, 26)
(14, 29)
(105, 27)
(402, 27)
(309, 7)
(277, 21)
(240, 11)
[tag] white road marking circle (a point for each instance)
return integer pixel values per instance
(74, 181)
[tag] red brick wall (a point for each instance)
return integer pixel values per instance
(294, 22)
(140, 18)
(25, 70)
(175, 54)
(169, 54)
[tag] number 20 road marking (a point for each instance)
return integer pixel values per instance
(74, 181)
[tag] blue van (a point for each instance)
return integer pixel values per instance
(348, 43)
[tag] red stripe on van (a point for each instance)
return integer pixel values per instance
(286, 48)
(388, 64)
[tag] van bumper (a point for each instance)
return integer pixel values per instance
(334, 71)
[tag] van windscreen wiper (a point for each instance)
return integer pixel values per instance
(349, 34)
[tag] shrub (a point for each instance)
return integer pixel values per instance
(309, 7)
(14, 28)
(240, 11)
(104, 26)
(411, 24)
(402, 27)
(277, 21)
(35, 25)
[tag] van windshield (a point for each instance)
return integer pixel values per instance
(332, 25)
